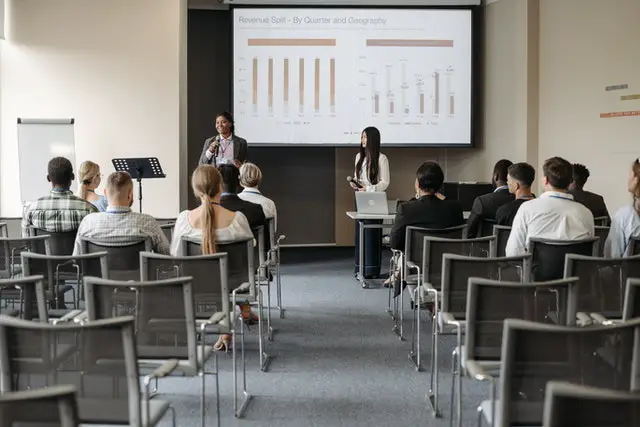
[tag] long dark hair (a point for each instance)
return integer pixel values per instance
(372, 153)
(228, 117)
(636, 190)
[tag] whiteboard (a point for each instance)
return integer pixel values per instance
(39, 140)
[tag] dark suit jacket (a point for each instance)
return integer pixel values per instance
(506, 212)
(253, 211)
(485, 207)
(239, 150)
(427, 212)
(593, 202)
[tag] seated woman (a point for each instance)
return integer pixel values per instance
(626, 222)
(250, 179)
(211, 223)
(90, 178)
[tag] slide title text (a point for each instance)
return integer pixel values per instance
(301, 20)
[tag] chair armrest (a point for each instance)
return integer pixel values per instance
(449, 319)
(69, 317)
(599, 318)
(162, 371)
(583, 319)
(412, 265)
(213, 320)
(82, 317)
(478, 372)
(242, 288)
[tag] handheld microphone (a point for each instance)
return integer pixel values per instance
(353, 181)
(216, 150)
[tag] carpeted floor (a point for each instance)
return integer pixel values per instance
(336, 361)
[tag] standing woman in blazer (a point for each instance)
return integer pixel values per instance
(372, 173)
(226, 147)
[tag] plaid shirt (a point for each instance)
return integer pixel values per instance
(119, 225)
(59, 212)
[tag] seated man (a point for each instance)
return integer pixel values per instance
(520, 176)
(229, 198)
(60, 211)
(554, 215)
(594, 202)
(486, 206)
(118, 224)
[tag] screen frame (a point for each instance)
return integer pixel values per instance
(477, 32)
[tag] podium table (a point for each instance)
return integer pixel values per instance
(359, 217)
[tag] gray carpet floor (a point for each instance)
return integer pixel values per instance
(336, 362)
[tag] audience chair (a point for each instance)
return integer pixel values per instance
(489, 303)
(31, 293)
(534, 354)
(602, 284)
(123, 259)
(549, 255)
(166, 327)
(210, 294)
(601, 221)
(486, 227)
(392, 207)
(10, 262)
(54, 406)
(4, 229)
(54, 271)
(602, 233)
(631, 308)
(98, 358)
(263, 273)
(501, 233)
(163, 221)
(59, 243)
(633, 248)
(412, 260)
(241, 277)
(13, 226)
(574, 405)
(450, 302)
(167, 229)
(274, 261)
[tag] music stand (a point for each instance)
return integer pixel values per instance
(139, 168)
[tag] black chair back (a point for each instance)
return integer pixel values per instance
(549, 255)
(59, 243)
(602, 233)
(634, 246)
(501, 232)
(167, 229)
(123, 260)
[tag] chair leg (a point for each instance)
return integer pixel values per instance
(479, 416)
(279, 287)
(269, 326)
(246, 397)
(454, 371)
(217, 375)
(265, 358)
(433, 383)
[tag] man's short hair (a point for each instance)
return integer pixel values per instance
(559, 172)
(500, 170)
(580, 175)
(523, 172)
(119, 182)
(230, 178)
(430, 177)
(60, 171)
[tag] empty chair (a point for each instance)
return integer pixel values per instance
(601, 221)
(123, 260)
(54, 406)
(166, 327)
(486, 228)
(10, 250)
(450, 307)
(602, 233)
(634, 246)
(549, 255)
(167, 229)
(489, 303)
(59, 243)
(631, 308)
(98, 358)
(4, 229)
(63, 274)
(31, 300)
(574, 405)
(534, 354)
(501, 232)
(602, 282)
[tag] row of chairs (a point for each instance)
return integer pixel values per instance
(444, 262)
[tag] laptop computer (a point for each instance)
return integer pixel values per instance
(372, 203)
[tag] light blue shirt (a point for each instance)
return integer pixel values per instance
(101, 203)
(624, 225)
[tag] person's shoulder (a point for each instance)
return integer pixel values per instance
(627, 211)
(381, 157)
(239, 139)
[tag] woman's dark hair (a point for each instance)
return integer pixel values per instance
(636, 190)
(372, 153)
(430, 177)
(228, 117)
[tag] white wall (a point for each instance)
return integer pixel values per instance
(114, 66)
(586, 45)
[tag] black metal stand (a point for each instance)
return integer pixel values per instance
(139, 168)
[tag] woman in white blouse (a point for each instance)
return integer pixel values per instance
(372, 173)
(626, 222)
(372, 167)
(210, 222)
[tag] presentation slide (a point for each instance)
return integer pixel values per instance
(320, 76)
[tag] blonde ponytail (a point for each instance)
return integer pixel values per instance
(208, 226)
(87, 173)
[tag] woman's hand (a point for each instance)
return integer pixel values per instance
(355, 187)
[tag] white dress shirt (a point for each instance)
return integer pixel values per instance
(555, 216)
(225, 153)
(254, 195)
(383, 174)
(625, 224)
